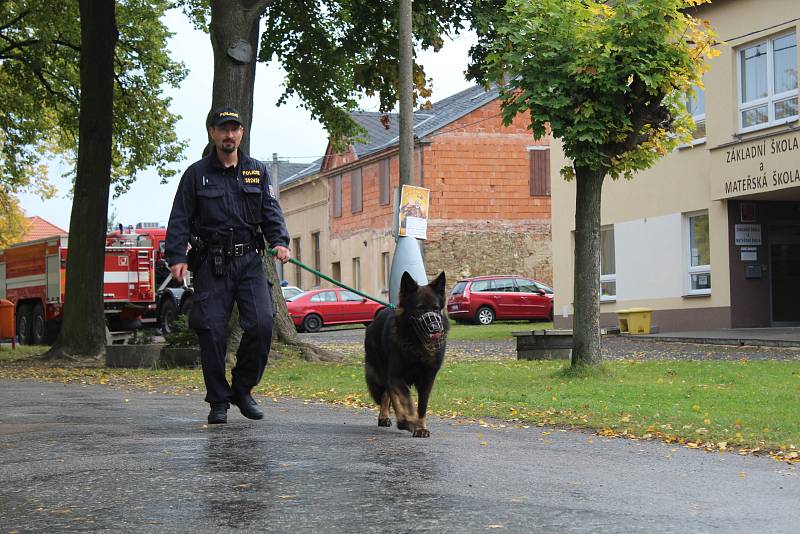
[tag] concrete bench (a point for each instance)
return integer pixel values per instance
(544, 344)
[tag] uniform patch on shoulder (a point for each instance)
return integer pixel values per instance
(251, 176)
(270, 190)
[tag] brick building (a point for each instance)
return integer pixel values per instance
(489, 194)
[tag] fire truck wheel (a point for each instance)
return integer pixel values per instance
(38, 325)
(24, 324)
(168, 314)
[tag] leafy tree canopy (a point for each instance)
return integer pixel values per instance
(13, 223)
(608, 78)
(40, 43)
(334, 51)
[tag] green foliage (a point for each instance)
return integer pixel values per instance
(334, 51)
(40, 44)
(608, 80)
(141, 337)
(182, 335)
(13, 224)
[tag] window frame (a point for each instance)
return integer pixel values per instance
(608, 277)
(315, 243)
(699, 118)
(337, 196)
(357, 273)
(539, 171)
(771, 97)
(384, 182)
(696, 269)
(356, 191)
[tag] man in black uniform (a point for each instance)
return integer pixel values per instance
(221, 203)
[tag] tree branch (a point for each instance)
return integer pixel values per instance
(16, 45)
(14, 21)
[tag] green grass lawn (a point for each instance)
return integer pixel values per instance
(21, 352)
(501, 330)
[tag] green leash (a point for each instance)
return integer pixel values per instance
(337, 282)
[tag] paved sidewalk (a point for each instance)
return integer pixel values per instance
(92, 458)
(757, 337)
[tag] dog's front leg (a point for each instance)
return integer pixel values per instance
(424, 392)
(383, 415)
(403, 407)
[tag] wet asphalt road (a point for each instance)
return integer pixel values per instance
(91, 458)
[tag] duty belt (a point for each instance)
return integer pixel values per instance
(240, 249)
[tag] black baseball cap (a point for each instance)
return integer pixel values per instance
(225, 114)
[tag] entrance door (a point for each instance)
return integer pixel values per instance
(785, 268)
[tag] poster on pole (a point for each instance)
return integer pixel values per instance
(413, 212)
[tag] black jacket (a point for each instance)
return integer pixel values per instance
(213, 200)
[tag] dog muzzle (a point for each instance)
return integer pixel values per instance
(429, 328)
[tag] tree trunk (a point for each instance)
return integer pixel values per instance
(586, 325)
(285, 332)
(83, 325)
(234, 39)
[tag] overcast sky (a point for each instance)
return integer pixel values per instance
(287, 130)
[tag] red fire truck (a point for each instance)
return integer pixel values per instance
(171, 297)
(136, 289)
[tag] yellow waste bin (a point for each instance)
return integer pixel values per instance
(635, 320)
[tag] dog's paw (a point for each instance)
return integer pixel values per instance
(421, 433)
(384, 422)
(403, 425)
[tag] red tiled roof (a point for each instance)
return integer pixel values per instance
(40, 228)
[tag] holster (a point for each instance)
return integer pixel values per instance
(197, 253)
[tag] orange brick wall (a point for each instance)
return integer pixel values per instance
(475, 168)
(482, 217)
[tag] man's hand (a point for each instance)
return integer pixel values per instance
(282, 253)
(179, 271)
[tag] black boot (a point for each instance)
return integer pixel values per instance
(218, 413)
(247, 405)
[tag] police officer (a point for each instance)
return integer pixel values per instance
(221, 203)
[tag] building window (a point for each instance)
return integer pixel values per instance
(384, 182)
(608, 265)
(696, 106)
(540, 170)
(356, 203)
(298, 272)
(768, 82)
(357, 273)
(385, 272)
(699, 271)
(317, 257)
(337, 196)
(336, 270)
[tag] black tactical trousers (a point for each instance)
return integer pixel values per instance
(244, 282)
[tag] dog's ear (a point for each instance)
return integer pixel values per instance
(407, 285)
(438, 284)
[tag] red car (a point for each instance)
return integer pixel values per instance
(316, 308)
(485, 299)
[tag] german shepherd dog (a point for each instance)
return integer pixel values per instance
(405, 347)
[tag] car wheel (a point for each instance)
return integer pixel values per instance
(38, 325)
(484, 315)
(24, 324)
(168, 313)
(312, 323)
